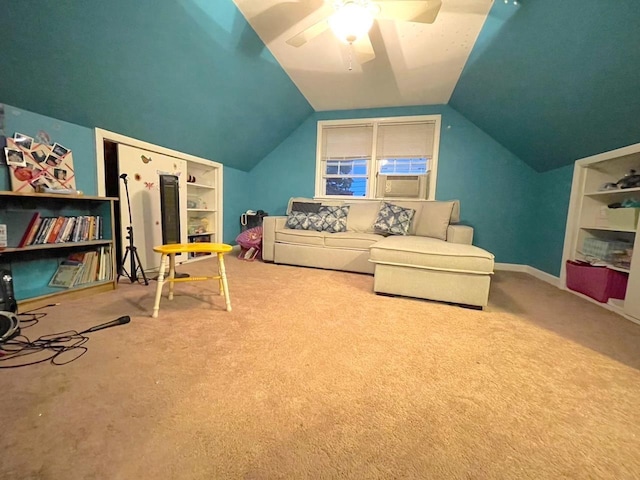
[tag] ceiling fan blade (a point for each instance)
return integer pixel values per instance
(308, 34)
(363, 50)
(418, 11)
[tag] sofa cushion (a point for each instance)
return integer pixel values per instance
(305, 207)
(333, 203)
(432, 253)
(434, 219)
(334, 219)
(362, 216)
(300, 237)
(393, 219)
(350, 239)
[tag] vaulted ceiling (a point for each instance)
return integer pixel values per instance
(553, 81)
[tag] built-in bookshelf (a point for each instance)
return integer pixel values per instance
(591, 220)
(46, 230)
(204, 203)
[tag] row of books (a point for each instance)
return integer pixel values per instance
(84, 267)
(43, 230)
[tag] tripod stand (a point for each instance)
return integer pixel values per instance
(132, 251)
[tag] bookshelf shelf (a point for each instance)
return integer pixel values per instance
(34, 265)
(49, 246)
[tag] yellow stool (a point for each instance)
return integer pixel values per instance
(171, 250)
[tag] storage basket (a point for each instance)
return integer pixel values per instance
(602, 249)
(599, 283)
(625, 218)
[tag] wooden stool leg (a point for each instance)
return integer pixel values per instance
(156, 305)
(223, 278)
(172, 273)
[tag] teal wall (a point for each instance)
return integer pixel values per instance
(236, 201)
(555, 81)
(549, 206)
(79, 139)
(190, 75)
(493, 186)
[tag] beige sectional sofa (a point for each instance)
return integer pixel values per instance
(434, 260)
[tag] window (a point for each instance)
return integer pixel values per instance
(352, 153)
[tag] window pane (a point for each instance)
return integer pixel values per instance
(348, 186)
(346, 167)
(403, 165)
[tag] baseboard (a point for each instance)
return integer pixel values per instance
(539, 274)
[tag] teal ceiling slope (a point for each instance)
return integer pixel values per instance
(555, 81)
(191, 75)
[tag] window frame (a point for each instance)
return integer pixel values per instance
(373, 167)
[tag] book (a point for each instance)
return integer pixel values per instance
(55, 229)
(32, 224)
(66, 275)
(34, 231)
(44, 226)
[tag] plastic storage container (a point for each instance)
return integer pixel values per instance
(599, 283)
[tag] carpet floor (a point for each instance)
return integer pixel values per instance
(312, 376)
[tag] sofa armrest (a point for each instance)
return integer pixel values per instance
(269, 226)
(459, 234)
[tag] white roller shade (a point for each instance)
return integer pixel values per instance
(405, 140)
(347, 142)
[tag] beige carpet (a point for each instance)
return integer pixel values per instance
(312, 376)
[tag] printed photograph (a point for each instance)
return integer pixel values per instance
(40, 181)
(60, 174)
(53, 161)
(23, 141)
(39, 155)
(14, 157)
(59, 150)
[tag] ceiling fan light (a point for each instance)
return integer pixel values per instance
(351, 22)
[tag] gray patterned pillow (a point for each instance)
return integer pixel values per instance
(334, 218)
(393, 219)
(304, 221)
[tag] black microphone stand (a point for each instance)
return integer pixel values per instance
(132, 251)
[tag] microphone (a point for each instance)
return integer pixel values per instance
(113, 323)
(123, 176)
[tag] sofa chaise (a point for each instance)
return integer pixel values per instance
(413, 248)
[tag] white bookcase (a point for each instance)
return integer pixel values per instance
(204, 202)
(586, 219)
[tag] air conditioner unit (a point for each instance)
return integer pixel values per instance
(402, 186)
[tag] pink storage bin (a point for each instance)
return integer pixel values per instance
(599, 283)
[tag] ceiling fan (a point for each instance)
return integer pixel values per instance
(352, 20)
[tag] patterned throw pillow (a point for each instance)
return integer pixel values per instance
(334, 218)
(328, 219)
(302, 220)
(393, 219)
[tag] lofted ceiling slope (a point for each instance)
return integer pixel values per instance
(555, 81)
(188, 74)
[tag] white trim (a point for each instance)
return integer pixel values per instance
(539, 274)
(374, 121)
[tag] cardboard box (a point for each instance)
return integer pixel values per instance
(625, 218)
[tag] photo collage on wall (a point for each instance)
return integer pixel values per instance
(38, 167)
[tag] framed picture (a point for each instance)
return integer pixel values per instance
(38, 166)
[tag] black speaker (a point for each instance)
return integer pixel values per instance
(7, 298)
(170, 208)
